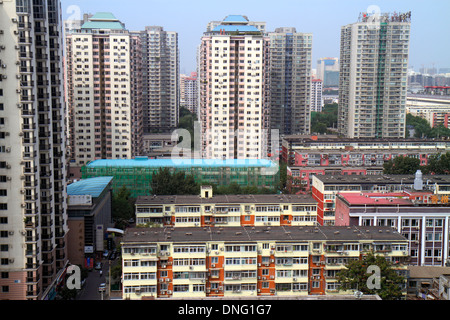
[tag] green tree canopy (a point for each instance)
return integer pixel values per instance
(320, 121)
(438, 164)
(422, 128)
(402, 165)
(122, 206)
(166, 183)
(357, 276)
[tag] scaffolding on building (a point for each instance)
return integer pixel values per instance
(136, 174)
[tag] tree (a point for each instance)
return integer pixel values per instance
(122, 206)
(422, 128)
(67, 294)
(320, 121)
(438, 164)
(401, 165)
(166, 183)
(358, 276)
(186, 121)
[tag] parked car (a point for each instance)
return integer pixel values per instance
(105, 254)
(102, 287)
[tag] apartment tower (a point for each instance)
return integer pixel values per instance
(102, 86)
(373, 76)
(233, 96)
(316, 95)
(290, 81)
(189, 92)
(33, 216)
(161, 87)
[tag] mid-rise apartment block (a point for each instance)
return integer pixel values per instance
(248, 262)
(233, 106)
(290, 81)
(373, 76)
(161, 76)
(104, 107)
(226, 210)
(421, 217)
(326, 187)
(33, 209)
(328, 154)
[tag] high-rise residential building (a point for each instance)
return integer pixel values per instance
(161, 87)
(290, 81)
(103, 90)
(316, 95)
(373, 76)
(189, 92)
(328, 71)
(233, 91)
(33, 210)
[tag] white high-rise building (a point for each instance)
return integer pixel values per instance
(33, 209)
(101, 86)
(189, 92)
(316, 95)
(233, 93)
(373, 76)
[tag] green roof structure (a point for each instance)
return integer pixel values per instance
(103, 20)
(136, 174)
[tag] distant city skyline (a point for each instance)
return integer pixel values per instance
(429, 46)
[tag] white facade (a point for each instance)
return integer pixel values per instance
(232, 95)
(99, 94)
(33, 216)
(316, 95)
(373, 79)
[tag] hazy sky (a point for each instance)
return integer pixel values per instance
(430, 26)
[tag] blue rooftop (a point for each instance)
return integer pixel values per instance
(92, 186)
(235, 28)
(179, 163)
(235, 18)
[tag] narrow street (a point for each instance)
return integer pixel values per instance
(93, 281)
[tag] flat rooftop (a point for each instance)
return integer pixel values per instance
(225, 199)
(304, 138)
(91, 186)
(398, 198)
(254, 234)
(180, 163)
(382, 179)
